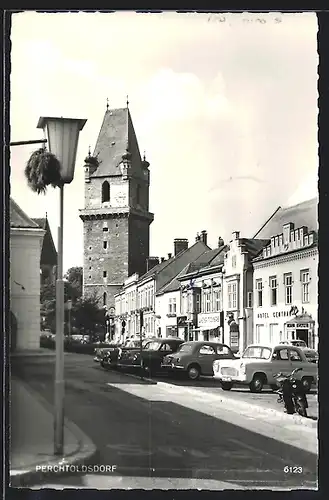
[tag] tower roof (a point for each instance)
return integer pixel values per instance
(116, 136)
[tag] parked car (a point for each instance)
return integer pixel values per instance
(104, 349)
(196, 358)
(259, 363)
(151, 356)
(311, 354)
(109, 355)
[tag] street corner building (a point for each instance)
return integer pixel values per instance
(26, 244)
(286, 277)
(116, 217)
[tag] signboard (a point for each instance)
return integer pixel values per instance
(234, 340)
(211, 320)
(304, 326)
(181, 321)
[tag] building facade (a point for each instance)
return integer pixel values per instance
(238, 290)
(48, 261)
(285, 287)
(148, 286)
(26, 239)
(116, 215)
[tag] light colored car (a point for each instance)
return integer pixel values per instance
(311, 354)
(259, 363)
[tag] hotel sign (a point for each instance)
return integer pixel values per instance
(275, 314)
(298, 325)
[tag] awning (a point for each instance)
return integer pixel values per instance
(301, 319)
(205, 328)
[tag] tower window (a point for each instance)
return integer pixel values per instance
(105, 228)
(105, 192)
(89, 258)
(104, 298)
(105, 245)
(104, 274)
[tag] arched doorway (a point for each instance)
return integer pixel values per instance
(12, 331)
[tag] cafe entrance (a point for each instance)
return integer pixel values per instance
(301, 328)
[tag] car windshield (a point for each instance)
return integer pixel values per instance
(152, 346)
(257, 352)
(185, 348)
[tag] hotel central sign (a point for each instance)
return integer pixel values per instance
(275, 314)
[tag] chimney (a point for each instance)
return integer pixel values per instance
(169, 255)
(151, 262)
(198, 237)
(204, 236)
(220, 242)
(236, 235)
(162, 259)
(180, 244)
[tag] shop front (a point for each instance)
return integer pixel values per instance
(302, 327)
(210, 326)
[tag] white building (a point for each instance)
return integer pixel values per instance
(139, 293)
(26, 239)
(238, 290)
(285, 287)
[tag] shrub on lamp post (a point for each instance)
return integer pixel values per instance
(43, 169)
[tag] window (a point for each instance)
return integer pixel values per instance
(198, 302)
(165, 347)
(274, 290)
(305, 279)
(257, 352)
(232, 296)
(223, 350)
(259, 288)
(274, 332)
(294, 355)
(206, 349)
(281, 355)
(217, 300)
(172, 306)
(207, 301)
(105, 192)
(288, 288)
(104, 274)
(233, 260)
(104, 299)
(258, 334)
(249, 299)
(105, 228)
(105, 245)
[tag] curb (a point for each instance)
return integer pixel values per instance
(86, 452)
(242, 406)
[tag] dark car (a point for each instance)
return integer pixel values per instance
(196, 358)
(104, 349)
(151, 356)
(109, 356)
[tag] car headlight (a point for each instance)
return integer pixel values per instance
(136, 357)
(243, 368)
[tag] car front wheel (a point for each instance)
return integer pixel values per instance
(257, 383)
(226, 386)
(307, 383)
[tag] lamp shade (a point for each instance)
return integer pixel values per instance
(62, 135)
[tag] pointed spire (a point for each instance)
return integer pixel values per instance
(89, 152)
(107, 104)
(127, 102)
(46, 215)
(144, 156)
(145, 163)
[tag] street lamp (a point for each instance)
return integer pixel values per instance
(62, 136)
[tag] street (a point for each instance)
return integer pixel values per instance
(159, 438)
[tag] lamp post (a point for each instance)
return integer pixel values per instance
(62, 135)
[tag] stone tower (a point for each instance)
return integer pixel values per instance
(116, 216)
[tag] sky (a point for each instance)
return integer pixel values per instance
(225, 106)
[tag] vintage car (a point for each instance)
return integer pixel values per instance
(110, 356)
(311, 354)
(105, 347)
(196, 358)
(149, 359)
(258, 365)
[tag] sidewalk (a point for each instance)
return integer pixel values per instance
(32, 434)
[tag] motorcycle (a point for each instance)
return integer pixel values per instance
(291, 393)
